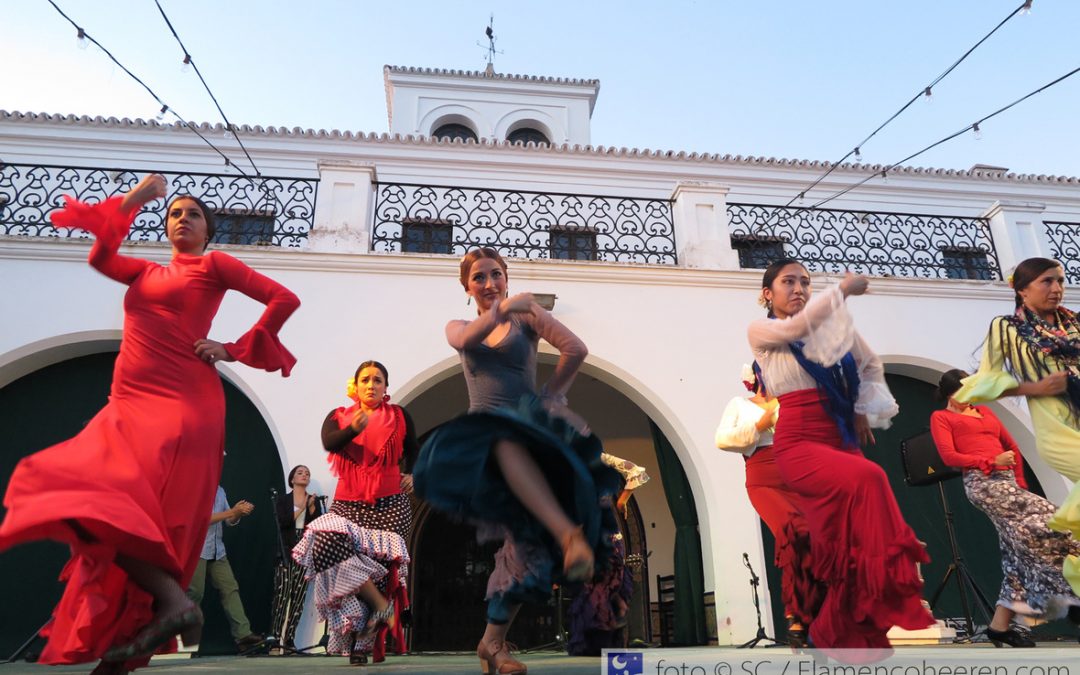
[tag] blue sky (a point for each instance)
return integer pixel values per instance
(761, 77)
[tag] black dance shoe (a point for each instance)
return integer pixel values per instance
(797, 635)
(1074, 614)
(1011, 637)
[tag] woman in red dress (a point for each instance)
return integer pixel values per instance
(831, 388)
(131, 494)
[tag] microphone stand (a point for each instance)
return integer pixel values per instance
(754, 582)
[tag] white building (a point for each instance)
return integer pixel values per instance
(657, 247)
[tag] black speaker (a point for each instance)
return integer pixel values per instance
(922, 463)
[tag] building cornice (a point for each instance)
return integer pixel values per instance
(496, 77)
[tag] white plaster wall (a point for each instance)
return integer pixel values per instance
(669, 339)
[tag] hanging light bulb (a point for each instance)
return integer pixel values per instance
(884, 176)
(977, 130)
(228, 132)
(161, 114)
(83, 41)
(802, 198)
(1026, 9)
(858, 155)
(928, 95)
(187, 64)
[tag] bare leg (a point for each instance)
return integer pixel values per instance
(1003, 617)
(527, 483)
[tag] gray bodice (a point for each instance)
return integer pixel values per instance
(499, 376)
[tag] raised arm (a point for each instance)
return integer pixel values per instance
(259, 347)
(109, 222)
(765, 333)
(572, 351)
(463, 334)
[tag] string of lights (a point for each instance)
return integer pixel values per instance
(165, 108)
(974, 126)
(189, 61)
(924, 92)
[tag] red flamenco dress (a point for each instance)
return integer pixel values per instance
(139, 480)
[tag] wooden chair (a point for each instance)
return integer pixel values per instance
(665, 604)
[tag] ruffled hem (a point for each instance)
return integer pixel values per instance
(381, 545)
(878, 590)
(801, 592)
(877, 403)
(336, 588)
(100, 607)
(259, 348)
(455, 473)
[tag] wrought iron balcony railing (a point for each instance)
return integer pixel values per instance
(274, 211)
(1065, 247)
(522, 224)
(875, 243)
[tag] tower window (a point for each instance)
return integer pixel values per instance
(527, 134)
(452, 131)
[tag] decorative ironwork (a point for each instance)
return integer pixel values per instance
(269, 211)
(1065, 247)
(875, 243)
(520, 223)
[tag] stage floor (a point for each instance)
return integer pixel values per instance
(540, 663)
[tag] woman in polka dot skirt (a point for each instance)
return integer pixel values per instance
(356, 554)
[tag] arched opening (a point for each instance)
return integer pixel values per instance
(454, 130)
(450, 570)
(527, 134)
(51, 404)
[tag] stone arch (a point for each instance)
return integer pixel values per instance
(454, 114)
(555, 131)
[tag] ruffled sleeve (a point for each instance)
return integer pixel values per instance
(991, 381)
(260, 346)
(110, 225)
(874, 399)
(738, 432)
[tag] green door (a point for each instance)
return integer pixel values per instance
(51, 405)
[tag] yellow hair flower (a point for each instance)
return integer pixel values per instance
(350, 389)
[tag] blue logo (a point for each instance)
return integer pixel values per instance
(625, 663)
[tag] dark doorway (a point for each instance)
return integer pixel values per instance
(53, 404)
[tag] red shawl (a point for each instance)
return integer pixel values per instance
(367, 468)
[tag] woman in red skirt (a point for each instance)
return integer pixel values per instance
(831, 389)
(132, 493)
(747, 428)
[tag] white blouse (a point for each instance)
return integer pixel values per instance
(826, 328)
(738, 430)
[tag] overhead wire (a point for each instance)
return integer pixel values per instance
(974, 126)
(189, 60)
(164, 106)
(924, 91)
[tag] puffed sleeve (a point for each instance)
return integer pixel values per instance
(825, 326)
(990, 381)
(260, 346)
(874, 399)
(738, 431)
